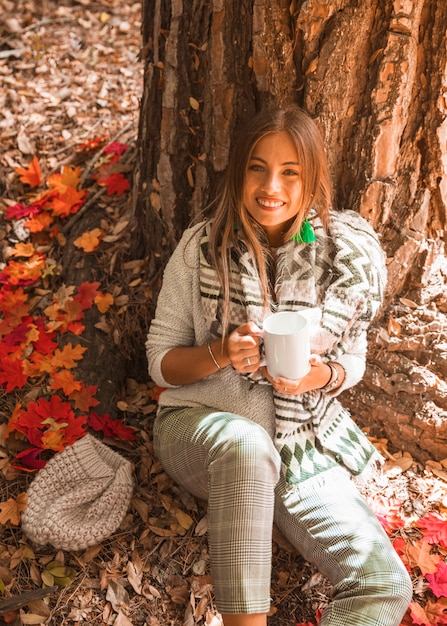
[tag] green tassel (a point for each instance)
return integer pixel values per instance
(306, 234)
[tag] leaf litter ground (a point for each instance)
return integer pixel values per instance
(72, 80)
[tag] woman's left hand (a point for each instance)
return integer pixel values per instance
(318, 376)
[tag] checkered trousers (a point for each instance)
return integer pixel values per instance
(233, 463)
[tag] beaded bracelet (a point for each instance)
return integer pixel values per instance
(334, 381)
(213, 357)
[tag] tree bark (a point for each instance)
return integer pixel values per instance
(373, 76)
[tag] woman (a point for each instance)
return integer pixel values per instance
(266, 450)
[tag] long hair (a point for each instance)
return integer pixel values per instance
(232, 222)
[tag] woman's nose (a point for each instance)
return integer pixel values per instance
(271, 182)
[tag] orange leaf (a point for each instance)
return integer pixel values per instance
(53, 439)
(68, 202)
(31, 175)
(11, 509)
(67, 357)
(23, 249)
(68, 178)
(13, 420)
(90, 240)
(39, 222)
(83, 399)
(66, 381)
(437, 611)
(25, 272)
(417, 554)
(104, 301)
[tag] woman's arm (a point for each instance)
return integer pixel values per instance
(173, 354)
(184, 365)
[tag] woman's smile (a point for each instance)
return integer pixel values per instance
(272, 190)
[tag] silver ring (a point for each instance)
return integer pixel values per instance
(248, 361)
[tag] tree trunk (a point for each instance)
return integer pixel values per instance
(372, 75)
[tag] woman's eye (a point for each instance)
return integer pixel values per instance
(291, 173)
(255, 167)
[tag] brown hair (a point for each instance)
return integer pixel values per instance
(232, 222)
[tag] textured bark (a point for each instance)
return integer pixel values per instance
(373, 76)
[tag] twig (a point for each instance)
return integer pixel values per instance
(15, 602)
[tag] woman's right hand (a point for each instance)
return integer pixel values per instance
(243, 348)
(186, 365)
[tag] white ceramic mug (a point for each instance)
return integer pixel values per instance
(287, 344)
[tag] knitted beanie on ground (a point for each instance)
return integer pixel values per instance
(79, 498)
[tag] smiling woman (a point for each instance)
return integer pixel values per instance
(266, 449)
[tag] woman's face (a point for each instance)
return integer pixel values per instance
(272, 188)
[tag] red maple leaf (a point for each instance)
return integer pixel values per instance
(86, 294)
(76, 328)
(115, 148)
(31, 175)
(110, 427)
(434, 529)
(45, 343)
(438, 581)
(44, 417)
(12, 374)
(116, 184)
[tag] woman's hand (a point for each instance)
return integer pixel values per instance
(319, 375)
(243, 348)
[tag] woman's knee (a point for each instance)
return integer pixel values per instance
(243, 441)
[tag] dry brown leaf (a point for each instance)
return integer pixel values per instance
(21, 554)
(11, 509)
(161, 532)
(184, 519)
(134, 576)
(32, 618)
(194, 104)
(394, 327)
(201, 526)
(122, 620)
(409, 303)
(116, 595)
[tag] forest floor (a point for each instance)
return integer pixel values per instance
(71, 74)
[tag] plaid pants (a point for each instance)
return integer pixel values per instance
(232, 462)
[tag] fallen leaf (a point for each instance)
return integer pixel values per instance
(89, 240)
(10, 509)
(32, 174)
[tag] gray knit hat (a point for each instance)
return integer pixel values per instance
(79, 498)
